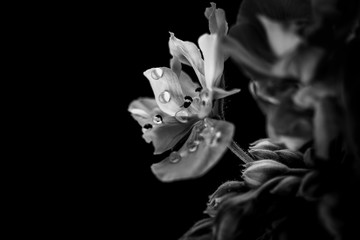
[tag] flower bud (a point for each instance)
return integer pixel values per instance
(258, 172)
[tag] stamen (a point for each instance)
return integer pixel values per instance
(158, 119)
(187, 101)
(198, 89)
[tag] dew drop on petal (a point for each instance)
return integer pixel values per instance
(157, 119)
(147, 127)
(193, 146)
(174, 157)
(182, 116)
(157, 73)
(215, 138)
(165, 97)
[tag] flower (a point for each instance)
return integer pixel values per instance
(183, 107)
(281, 47)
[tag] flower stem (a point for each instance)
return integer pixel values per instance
(237, 150)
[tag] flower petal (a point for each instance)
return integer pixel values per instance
(288, 186)
(213, 60)
(167, 89)
(188, 87)
(166, 135)
(281, 40)
(204, 147)
(189, 54)
(219, 93)
(326, 126)
(217, 20)
(163, 134)
(142, 110)
(281, 10)
(175, 65)
(231, 47)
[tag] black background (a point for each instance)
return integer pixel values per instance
(97, 180)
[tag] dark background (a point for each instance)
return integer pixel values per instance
(98, 181)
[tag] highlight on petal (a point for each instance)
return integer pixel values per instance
(167, 89)
(217, 20)
(282, 41)
(202, 150)
(143, 109)
(219, 93)
(187, 53)
(159, 128)
(213, 59)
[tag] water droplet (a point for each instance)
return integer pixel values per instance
(174, 157)
(165, 97)
(157, 73)
(215, 138)
(182, 116)
(147, 127)
(157, 119)
(193, 146)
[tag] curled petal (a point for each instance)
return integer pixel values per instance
(187, 53)
(265, 144)
(159, 128)
(219, 93)
(217, 20)
(213, 59)
(310, 188)
(239, 53)
(202, 150)
(288, 186)
(201, 230)
(167, 89)
(142, 110)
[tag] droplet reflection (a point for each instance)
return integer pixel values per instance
(175, 157)
(165, 97)
(157, 73)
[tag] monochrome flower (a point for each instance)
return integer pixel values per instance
(185, 108)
